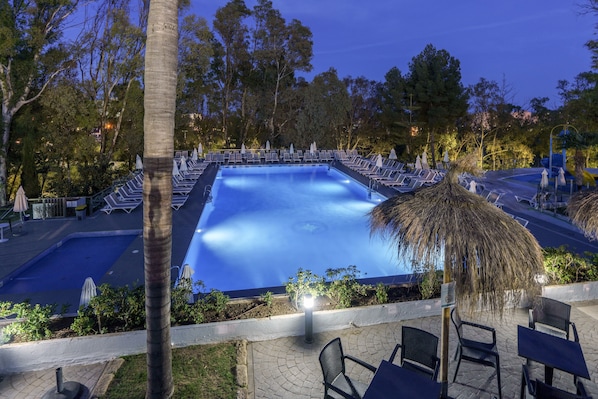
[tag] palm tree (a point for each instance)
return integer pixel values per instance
(159, 109)
(484, 251)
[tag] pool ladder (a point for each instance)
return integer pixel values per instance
(207, 193)
(372, 186)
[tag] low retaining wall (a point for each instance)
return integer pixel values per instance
(577, 292)
(41, 355)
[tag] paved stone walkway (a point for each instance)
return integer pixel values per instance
(287, 368)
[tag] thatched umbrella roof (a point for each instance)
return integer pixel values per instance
(482, 249)
(583, 211)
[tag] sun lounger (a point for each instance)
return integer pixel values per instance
(412, 185)
(113, 203)
(533, 201)
(178, 201)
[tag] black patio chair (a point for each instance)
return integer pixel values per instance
(336, 383)
(552, 317)
(480, 352)
(419, 351)
(539, 390)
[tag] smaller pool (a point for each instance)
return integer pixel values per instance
(66, 265)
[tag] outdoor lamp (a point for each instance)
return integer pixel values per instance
(308, 306)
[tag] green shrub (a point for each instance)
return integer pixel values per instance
(267, 298)
(564, 267)
(181, 311)
(215, 301)
(429, 283)
(381, 293)
(343, 286)
(32, 322)
(305, 282)
(114, 309)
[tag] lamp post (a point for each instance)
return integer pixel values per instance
(308, 306)
(566, 127)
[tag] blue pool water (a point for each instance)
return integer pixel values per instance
(66, 265)
(265, 223)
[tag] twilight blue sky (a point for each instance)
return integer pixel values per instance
(532, 43)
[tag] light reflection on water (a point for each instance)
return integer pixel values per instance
(265, 223)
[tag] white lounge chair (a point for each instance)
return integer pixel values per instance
(113, 203)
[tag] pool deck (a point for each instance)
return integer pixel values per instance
(287, 367)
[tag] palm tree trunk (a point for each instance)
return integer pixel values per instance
(159, 108)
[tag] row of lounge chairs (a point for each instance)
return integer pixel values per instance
(543, 200)
(130, 195)
(272, 156)
(392, 173)
(492, 197)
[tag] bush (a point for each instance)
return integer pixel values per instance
(381, 293)
(114, 309)
(343, 287)
(429, 283)
(32, 322)
(564, 267)
(305, 282)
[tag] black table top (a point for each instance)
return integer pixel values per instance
(552, 351)
(392, 381)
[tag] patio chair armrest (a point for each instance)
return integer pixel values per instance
(482, 327)
(581, 390)
(575, 334)
(361, 363)
(394, 353)
(341, 392)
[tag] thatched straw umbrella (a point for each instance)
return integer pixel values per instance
(583, 211)
(486, 252)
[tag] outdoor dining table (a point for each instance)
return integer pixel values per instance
(552, 351)
(392, 381)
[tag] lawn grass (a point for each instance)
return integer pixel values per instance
(201, 371)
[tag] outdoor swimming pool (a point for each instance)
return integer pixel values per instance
(65, 265)
(266, 222)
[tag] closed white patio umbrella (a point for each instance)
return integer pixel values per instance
(473, 187)
(424, 161)
(21, 204)
(544, 179)
(379, 161)
(88, 291)
(194, 156)
(291, 149)
(243, 148)
(138, 163)
(267, 145)
(393, 154)
(183, 167)
(199, 149)
(418, 162)
(186, 279)
(175, 169)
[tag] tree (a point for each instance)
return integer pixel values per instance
(280, 50)
(434, 80)
(159, 103)
(30, 58)
(324, 111)
(230, 26)
(111, 60)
